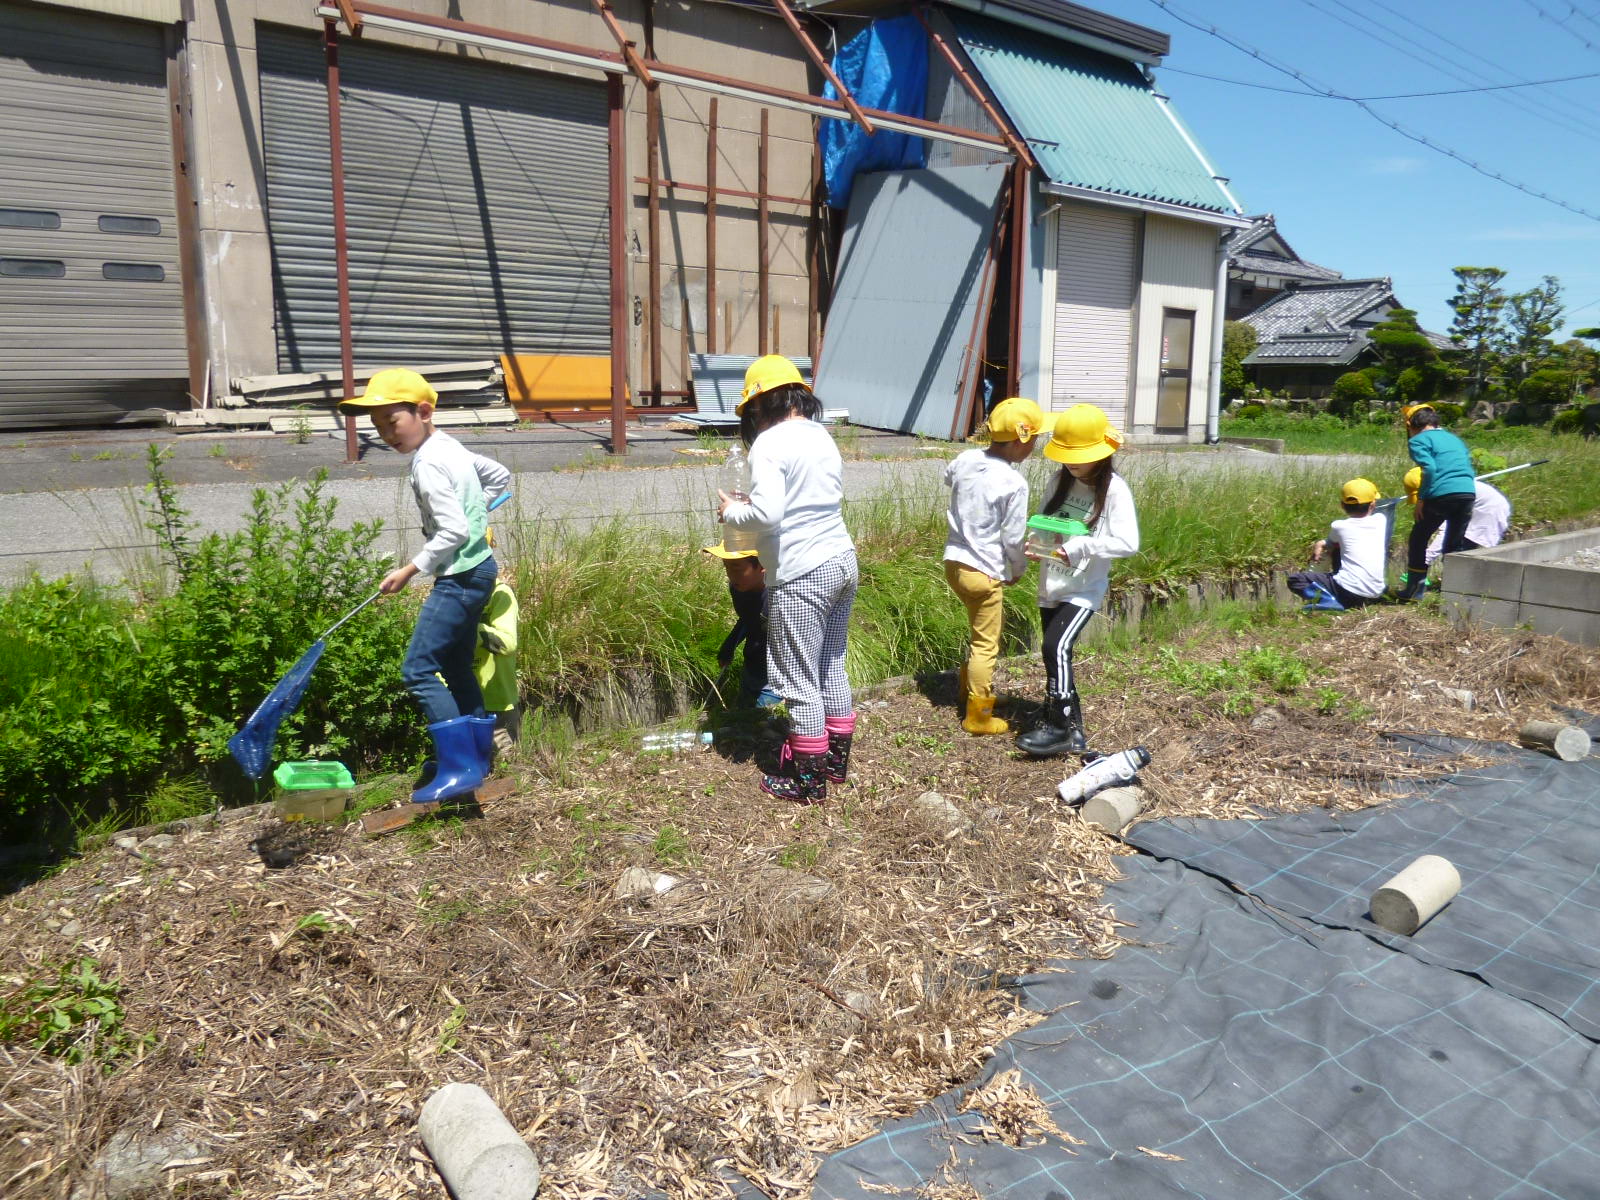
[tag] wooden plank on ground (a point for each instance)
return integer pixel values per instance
(387, 820)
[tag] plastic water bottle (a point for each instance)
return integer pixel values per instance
(676, 741)
(736, 482)
(1113, 769)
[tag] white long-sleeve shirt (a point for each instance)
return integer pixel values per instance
(1491, 517)
(988, 515)
(796, 488)
(1115, 535)
(453, 488)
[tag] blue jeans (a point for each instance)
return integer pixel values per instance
(443, 644)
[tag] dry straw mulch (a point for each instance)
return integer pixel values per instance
(814, 974)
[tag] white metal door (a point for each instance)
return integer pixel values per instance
(1097, 271)
(91, 302)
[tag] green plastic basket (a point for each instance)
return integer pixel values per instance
(312, 776)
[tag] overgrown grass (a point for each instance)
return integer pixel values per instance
(126, 701)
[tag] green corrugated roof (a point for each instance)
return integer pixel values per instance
(1109, 130)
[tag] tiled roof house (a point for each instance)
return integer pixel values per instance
(1312, 334)
(1262, 265)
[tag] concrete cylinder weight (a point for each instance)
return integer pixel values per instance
(1404, 904)
(1112, 809)
(1566, 742)
(475, 1148)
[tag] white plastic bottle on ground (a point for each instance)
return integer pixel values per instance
(1121, 767)
(675, 741)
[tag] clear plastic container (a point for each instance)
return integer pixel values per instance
(312, 791)
(736, 482)
(675, 741)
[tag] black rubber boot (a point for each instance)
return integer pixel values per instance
(1061, 732)
(838, 760)
(1414, 582)
(801, 779)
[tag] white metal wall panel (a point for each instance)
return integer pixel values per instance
(475, 202)
(91, 301)
(1179, 271)
(904, 304)
(1097, 265)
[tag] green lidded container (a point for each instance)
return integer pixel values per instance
(312, 791)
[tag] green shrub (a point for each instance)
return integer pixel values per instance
(1547, 386)
(70, 1013)
(1353, 394)
(75, 703)
(1449, 414)
(1568, 420)
(1484, 461)
(1250, 412)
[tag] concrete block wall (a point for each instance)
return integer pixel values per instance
(224, 114)
(1517, 584)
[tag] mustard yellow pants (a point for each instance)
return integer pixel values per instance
(982, 594)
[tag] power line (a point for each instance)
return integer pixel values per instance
(1560, 24)
(1268, 87)
(1411, 135)
(1454, 69)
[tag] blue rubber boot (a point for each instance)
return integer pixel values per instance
(460, 771)
(483, 731)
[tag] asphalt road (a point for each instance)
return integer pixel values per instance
(71, 503)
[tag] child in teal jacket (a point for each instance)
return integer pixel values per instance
(1446, 495)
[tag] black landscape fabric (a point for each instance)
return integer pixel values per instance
(1280, 1045)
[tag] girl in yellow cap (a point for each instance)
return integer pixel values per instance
(983, 554)
(1073, 581)
(796, 490)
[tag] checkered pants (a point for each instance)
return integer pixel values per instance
(808, 620)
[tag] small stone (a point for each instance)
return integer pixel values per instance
(641, 883)
(796, 888)
(72, 929)
(132, 1164)
(125, 842)
(1266, 720)
(1461, 696)
(860, 1003)
(941, 812)
(161, 841)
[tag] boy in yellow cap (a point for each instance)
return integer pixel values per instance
(983, 552)
(1445, 494)
(1073, 581)
(1358, 545)
(453, 488)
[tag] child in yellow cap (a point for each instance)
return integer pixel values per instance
(1074, 579)
(453, 488)
(983, 552)
(1358, 545)
(794, 509)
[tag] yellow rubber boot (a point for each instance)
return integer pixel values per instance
(980, 717)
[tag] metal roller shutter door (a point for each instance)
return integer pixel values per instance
(475, 203)
(91, 302)
(1097, 257)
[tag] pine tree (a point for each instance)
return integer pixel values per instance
(1531, 317)
(1478, 303)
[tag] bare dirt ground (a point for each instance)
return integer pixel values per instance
(813, 973)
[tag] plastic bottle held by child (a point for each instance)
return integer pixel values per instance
(1048, 534)
(736, 482)
(1121, 767)
(676, 741)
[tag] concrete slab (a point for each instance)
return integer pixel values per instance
(1514, 585)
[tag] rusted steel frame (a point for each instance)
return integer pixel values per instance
(341, 240)
(352, 18)
(1019, 258)
(620, 36)
(504, 35)
(711, 229)
(610, 60)
(652, 142)
(854, 109)
(814, 246)
(196, 342)
(679, 185)
(756, 92)
(967, 383)
(763, 224)
(617, 229)
(959, 69)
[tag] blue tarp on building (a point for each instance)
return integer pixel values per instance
(885, 67)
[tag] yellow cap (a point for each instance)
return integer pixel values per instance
(1015, 420)
(720, 550)
(768, 372)
(1359, 491)
(1409, 410)
(1082, 434)
(394, 385)
(1413, 482)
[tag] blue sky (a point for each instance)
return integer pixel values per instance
(1361, 198)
